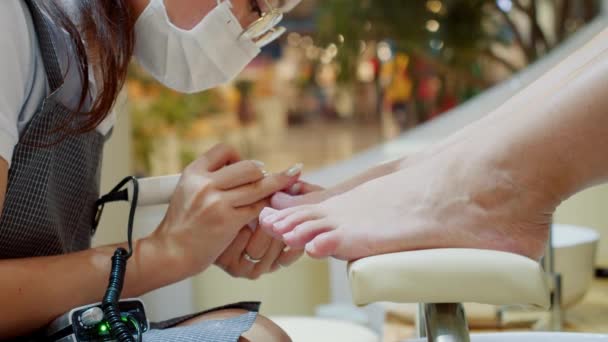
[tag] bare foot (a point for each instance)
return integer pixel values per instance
(440, 202)
(299, 194)
(303, 193)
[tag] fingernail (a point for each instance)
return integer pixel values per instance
(253, 225)
(294, 170)
(295, 189)
(286, 249)
(259, 164)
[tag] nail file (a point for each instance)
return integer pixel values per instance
(158, 190)
(155, 190)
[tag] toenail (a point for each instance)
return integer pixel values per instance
(266, 211)
(310, 246)
(281, 225)
(270, 219)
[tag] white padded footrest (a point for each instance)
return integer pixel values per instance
(449, 276)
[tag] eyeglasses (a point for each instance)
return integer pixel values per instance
(264, 31)
(270, 36)
(266, 22)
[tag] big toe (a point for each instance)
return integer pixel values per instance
(265, 221)
(266, 212)
(324, 245)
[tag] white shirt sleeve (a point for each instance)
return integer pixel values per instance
(16, 64)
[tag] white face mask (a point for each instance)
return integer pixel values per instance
(212, 53)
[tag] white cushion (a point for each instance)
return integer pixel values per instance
(533, 337)
(449, 276)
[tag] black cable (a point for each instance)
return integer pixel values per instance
(118, 329)
(110, 304)
(137, 326)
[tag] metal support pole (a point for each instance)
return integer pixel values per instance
(556, 315)
(446, 323)
(420, 321)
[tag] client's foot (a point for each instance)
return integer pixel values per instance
(441, 202)
(300, 193)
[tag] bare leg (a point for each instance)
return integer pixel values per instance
(434, 204)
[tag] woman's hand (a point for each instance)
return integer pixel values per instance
(254, 252)
(266, 254)
(212, 202)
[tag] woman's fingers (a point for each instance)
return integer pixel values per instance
(289, 256)
(250, 213)
(216, 158)
(268, 261)
(300, 193)
(238, 174)
(231, 259)
(303, 188)
(251, 255)
(254, 192)
(258, 244)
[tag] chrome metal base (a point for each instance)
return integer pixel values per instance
(443, 323)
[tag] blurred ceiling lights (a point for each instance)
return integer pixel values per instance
(434, 6)
(432, 25)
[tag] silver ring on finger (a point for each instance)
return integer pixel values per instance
(251, 259)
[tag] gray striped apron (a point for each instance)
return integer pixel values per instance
(53, 183)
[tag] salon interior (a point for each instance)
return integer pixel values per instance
(372, 90)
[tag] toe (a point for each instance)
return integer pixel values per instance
(269, 216)
(306, 232)
(323, 245)
(267, 212)
(288, 223)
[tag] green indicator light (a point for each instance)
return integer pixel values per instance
(125, 319)
(103, 328)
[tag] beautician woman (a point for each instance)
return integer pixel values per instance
(62, 64)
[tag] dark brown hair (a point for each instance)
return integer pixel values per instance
(107, 28)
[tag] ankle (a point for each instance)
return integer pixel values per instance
(501, 194)
(539, 174)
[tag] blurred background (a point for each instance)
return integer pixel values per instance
(353, 73)
(354, 80)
